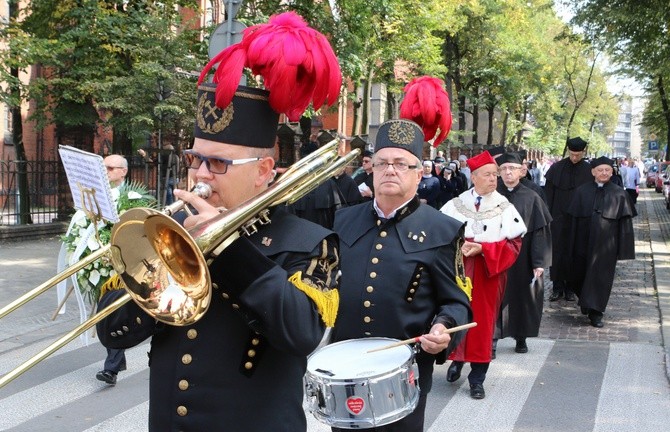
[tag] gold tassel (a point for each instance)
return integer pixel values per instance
(465, 285)
(326, 302)
(112, 284)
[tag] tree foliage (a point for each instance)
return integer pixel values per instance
(637, 37)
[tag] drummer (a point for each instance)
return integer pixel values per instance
(397, 261)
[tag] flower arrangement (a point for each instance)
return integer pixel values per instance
(93, 276)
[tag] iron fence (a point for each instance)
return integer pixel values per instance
(48, 191)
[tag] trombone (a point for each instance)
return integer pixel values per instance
(164, 266)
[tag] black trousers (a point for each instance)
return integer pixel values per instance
(411, 423)
(116, 360)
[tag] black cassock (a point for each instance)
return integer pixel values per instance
(563, 178)
(599, 231)
(521, 309)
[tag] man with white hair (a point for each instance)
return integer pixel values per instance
(493, 231)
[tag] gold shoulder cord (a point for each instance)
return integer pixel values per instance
(463, 282)
(327, 302)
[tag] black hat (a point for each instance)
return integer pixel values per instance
(404, 134)
(510, 157)
(496, 151)
(576, 144)
(602, 160)
(439, 159)
(247, 121)
(367, 153)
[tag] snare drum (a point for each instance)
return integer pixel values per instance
(347, 387)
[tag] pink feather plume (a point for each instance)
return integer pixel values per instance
(297, 64)
(427, 103)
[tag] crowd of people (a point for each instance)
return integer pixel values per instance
(408, 249)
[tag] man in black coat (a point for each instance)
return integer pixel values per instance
(598, 231)
(521, 309)
(398, 263)
(562, 179)
(239, 368)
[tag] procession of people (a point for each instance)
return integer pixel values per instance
(420, 248)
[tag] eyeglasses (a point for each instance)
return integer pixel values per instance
(509, 168)
(398, 166)
(214, 165)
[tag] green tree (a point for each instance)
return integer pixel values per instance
(637, 37)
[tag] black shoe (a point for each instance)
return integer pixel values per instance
(570, 296)
(596, 320)
(106, 376)
(555, 295)
(454, 371)
(477, 391)
(521, 346)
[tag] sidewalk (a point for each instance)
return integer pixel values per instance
(640, 297)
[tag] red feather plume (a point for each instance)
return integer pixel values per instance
(427, 103)
(297, 64)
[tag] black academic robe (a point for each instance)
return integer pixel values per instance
(562, 179)
(366, 178)
(348, 189)
(320, 204)
(598, 232)
(521, 309)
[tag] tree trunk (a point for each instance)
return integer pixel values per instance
(666, 113)
(489, 133)
(23, 196)
(475, 117)
(503, 135)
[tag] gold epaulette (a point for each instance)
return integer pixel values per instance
(112, 284)
(327, 302)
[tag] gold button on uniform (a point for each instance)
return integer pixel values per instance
(183, 385)
(225, 296)
(215, 286)
(383, 234)
(248, 365)
(409, 299)
(186, 359)
(367, 319)
(251, 353)
(369, 289)
(236, 306)
(138, 320)
(181, 410)
(192, 333)
(255, 341)
(366, 303)
(373, 275)
(378, 246)
(375, 260)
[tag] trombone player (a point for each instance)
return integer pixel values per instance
(240, 367)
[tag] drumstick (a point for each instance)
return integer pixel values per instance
(416, 339)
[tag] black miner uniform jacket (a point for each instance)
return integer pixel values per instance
(398, 276)
(240, 367)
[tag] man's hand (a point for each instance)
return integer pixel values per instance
(436, 340)
(471, 249)
(205, 210)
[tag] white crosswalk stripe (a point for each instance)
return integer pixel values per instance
(598, 387)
